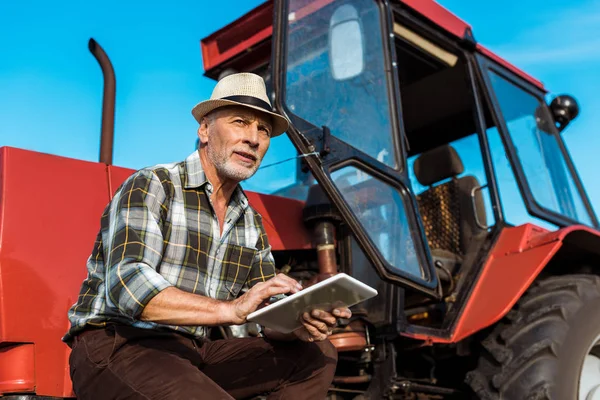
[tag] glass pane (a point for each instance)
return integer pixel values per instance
(580, 209)
(530, 127)
(513, 206)
(280, 172)
(380, 210)
(355, 109)
(469, 152)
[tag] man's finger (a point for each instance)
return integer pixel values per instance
(258, 297)
(272, 288)
(342, 312)
(283, 280)
(324, 316)
(258, 294)
(314, 333)
(288, 280)
(275, 290)
(319, 325)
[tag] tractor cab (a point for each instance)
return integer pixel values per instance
(417, 161)
(445, 165)
(426, 142)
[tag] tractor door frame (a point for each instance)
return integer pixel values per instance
(335, 154)
(468, 48)
(472, 266)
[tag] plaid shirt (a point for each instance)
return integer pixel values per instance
(158, 231)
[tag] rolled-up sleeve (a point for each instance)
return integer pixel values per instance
(134, 244)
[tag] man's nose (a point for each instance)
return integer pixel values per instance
(252, 135)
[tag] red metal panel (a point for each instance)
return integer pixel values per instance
(237, 37)
(256, 26)
(501, 284)
(565, 233)
(516, 259)
(282, 219)
(17, 368)
(457, 27)
(510, 67)
(50, 213)
(439, 16)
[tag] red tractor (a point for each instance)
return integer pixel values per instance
(427, 167)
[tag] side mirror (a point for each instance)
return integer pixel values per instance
(346, 47)
(564, 109)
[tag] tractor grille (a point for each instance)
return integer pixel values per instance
(440, 212)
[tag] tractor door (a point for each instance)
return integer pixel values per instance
(335, 77)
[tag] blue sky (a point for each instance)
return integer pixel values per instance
(51, 86)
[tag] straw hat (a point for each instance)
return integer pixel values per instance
(243, 89)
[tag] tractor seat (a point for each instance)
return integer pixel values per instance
(447, 208)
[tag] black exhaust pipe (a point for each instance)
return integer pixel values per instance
(108, 102)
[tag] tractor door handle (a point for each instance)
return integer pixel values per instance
(477, 221)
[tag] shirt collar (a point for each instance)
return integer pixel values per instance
(195, 178)
(194, 174)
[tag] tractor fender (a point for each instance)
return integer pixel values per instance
(514, 262)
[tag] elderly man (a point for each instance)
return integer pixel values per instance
(180, 250)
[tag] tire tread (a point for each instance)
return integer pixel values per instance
(517, 347)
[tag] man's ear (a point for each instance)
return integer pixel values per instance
(203, 131)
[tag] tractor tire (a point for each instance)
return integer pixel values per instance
(537, 351)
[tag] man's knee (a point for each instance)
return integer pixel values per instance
(322, 355)
(319, 360)
(328, 350)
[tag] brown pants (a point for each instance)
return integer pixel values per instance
(122, 362)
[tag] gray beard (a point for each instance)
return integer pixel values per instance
(227, 169)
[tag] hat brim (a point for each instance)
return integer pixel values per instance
(280, 123)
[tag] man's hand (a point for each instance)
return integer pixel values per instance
(318, 324)
(238, 309)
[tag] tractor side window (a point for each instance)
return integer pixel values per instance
(380, 209)
(535, 139)
(469, 152)
(513, 206)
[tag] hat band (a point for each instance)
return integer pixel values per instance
(250, 100)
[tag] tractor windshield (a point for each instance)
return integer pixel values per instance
(538, 147)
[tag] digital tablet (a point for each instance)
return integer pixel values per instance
(340, 290)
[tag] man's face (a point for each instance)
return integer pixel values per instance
(236, 140)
